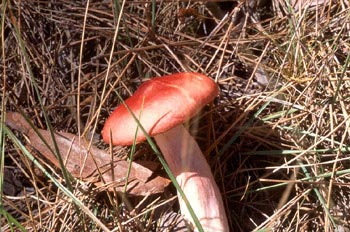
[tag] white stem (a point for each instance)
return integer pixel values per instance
(193, 173)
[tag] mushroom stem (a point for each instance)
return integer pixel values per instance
(188, 164)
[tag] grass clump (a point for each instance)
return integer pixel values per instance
(277, 137)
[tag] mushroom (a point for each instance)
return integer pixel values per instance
(163, 104)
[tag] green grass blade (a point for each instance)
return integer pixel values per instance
(38, 95)
(2, 158)
(66, 191)
(166, 168)
(321, 176)
(318, 194)
(11, 220)
(245, 126)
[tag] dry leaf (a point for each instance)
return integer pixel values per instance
(87, 162)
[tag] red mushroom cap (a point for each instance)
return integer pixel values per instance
(161, 103)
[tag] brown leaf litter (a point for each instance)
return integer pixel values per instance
(88, 162)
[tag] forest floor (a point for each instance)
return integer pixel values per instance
(277, 137)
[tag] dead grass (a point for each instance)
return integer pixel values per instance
(277, 137)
